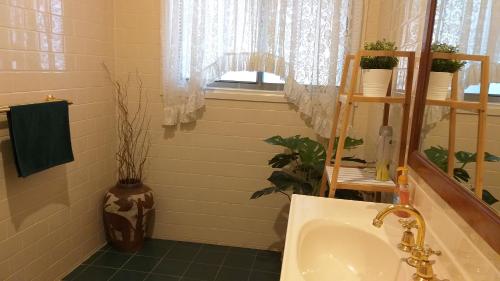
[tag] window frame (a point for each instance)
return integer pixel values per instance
(258, 85)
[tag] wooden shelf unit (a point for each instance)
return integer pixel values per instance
(480, 107)
(337, 177)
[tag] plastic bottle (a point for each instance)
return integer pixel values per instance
(384, 153)
(403, 190)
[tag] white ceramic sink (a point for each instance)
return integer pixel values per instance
(334, 240)
(351, 254)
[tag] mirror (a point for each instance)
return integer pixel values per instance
(457, 114)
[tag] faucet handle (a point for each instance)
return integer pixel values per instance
(425, 271)
(429, 252)
(408, 224)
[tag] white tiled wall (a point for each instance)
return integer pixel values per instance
(51, 221)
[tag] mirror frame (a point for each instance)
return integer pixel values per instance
(476, 213)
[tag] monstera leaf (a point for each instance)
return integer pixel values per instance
(439, 156)
(282, 159)
(285, 181)
(488, 157)
(461, 175)
(465, 157)
(489, 198)
(292, 143)
(311, 153)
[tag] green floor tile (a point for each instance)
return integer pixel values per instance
(232, 274)
(73, 274)
(141, 263)
(215, 248)
(210, 257)
(155, 248)
(239, 260)
(126, 275)
(111, 259)
(245, 251)
(158, 277)
(264, 276)
(92, 258)
(202, 271)
(268, 261)
(92, 273)
(172, 267)
(183, 252)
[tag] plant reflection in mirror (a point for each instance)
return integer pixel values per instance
(439, 156)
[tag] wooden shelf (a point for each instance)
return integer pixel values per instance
(355, 178)
(466, 105)
(360, 98)
(360, 178)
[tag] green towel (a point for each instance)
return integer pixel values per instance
(40, 136)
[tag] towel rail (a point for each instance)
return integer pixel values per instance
(49, 98)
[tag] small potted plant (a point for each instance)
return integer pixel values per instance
(377, 71)
(442, 72)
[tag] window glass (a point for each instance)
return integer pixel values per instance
(240, 76)
(272, 78)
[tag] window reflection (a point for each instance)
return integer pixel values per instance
(35, 36)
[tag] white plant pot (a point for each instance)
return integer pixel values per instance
(376, 82)
(439, 85)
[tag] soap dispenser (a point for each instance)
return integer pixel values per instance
(402, 192)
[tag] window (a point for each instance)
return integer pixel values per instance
(472, 92)
(230, 32)
(255, 80)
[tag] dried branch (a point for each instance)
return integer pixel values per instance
(134, 140)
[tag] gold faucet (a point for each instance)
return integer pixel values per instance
(419, 255)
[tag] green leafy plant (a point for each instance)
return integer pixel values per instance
(301, 165)
(444, 65)
(379, 62)
(439, 156)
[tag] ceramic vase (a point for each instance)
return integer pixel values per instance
(128, 213)
(439, 85)
(376, 82)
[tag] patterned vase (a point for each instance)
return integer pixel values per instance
(127, 213)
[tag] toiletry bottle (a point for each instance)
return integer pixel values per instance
(403, 190)
(384, 153)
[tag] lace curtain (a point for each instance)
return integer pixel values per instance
(473, 26)
(302, 41)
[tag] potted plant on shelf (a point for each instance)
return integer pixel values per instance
(442, 72)
(129, 206)
(377, 71)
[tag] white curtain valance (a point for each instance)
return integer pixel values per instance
(302, 41)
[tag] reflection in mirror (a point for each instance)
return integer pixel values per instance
(462, 114)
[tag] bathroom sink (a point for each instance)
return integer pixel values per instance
(334, 240)
(333, 251)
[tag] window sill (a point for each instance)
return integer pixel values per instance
(245, 95)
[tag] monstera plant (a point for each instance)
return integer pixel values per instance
(439, 156)
(302, 166)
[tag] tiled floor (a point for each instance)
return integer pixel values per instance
(165, 260)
